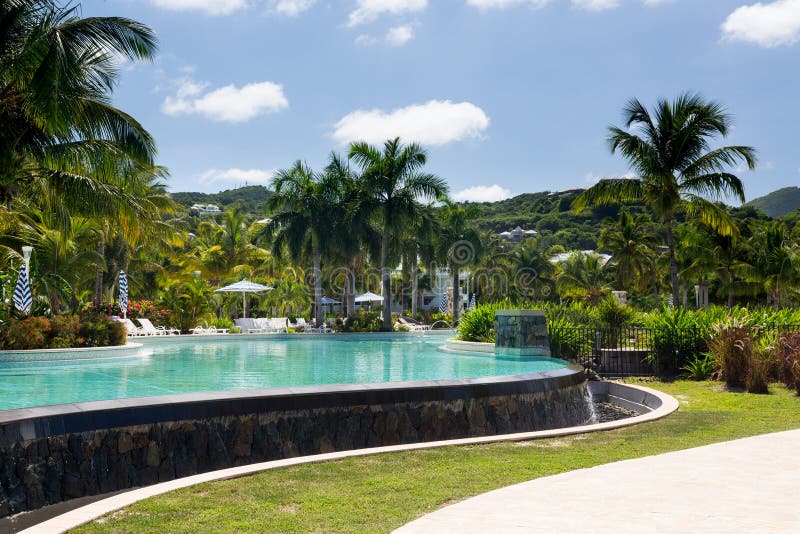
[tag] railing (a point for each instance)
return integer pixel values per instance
(635, 351)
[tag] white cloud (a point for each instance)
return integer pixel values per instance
(400, 35)
(291, 8)
(369, 10)
(236, 176)
(765, 24)
(501, 4)
(437, 122)
(212, 7)
(482, 193)
(226, 104)
(595, 5)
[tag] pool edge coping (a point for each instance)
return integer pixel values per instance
(85, 514)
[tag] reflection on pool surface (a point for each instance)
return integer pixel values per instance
(250, 362)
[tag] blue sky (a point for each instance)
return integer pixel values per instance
(509, 96)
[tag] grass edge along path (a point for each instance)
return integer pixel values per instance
(382, 492)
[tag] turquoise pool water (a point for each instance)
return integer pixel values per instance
(206, 364)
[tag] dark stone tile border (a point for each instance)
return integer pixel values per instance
(46, 421)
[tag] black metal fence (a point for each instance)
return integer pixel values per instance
(635, 351)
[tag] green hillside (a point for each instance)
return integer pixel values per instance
(252, 198)
(778, 203)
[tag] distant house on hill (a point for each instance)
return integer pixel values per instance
(573, 191)
(205, 209)
(517, 235)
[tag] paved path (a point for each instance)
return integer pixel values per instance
(748, 485)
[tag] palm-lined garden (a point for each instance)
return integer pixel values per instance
(79, 183)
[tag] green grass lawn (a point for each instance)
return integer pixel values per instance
(380, 493)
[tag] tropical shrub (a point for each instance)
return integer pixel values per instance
(733, 349)
(478, 323)
(611, 314)
(361, 322)
(566, 342)
(28, 333)
(787, 351)
(61, 332)
(700, 368)
(678, 336)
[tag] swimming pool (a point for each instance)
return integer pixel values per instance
(196, 364)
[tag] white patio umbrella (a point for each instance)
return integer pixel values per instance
(244, 287)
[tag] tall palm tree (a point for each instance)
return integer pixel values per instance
(392, 186)
(671, 152)
(302, 204)
(532, 270)
(632, 248)
(459, 243)
(61, 138)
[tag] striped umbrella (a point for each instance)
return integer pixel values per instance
(472, 302)
(123, 294)
(22, 291)
(443, 303)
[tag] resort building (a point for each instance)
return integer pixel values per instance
(205, 209)
(517, 235)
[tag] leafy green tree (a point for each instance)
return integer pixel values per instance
(459, 243)
(583, 277)
(302, 208)
(61, 138)
(392, 185)
(632, 248)
(775, 264)
(670, 149)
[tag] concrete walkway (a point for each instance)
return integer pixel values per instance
(748, 485)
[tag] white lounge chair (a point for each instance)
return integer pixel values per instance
(131, 328)
(210, 331)
(248, 325)
(152, 330)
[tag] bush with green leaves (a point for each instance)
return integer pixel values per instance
(700, 368)
(61, 332)
(478, 324)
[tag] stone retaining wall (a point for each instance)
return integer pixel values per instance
(52, 467)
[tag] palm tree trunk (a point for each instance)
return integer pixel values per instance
(98, 282)
(351, 284)
(456, 306)
(386, 283)
(317, 284)
(730, 290)
(673, 263)
(414, 286)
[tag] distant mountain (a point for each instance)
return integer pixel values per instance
(252, 198)
(778, 203)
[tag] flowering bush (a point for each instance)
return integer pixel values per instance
(136, 309)
(61, 332)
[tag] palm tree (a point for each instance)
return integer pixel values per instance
(631, 246)
(392, 185)
(583, 277)
(303, 204)
(775, 265)
(61, 139)
(533, 271)
(459, 243)
(671, 152)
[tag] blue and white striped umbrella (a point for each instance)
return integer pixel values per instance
(123, 293)
(472, 302)
(22, 292)
(443, 303)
